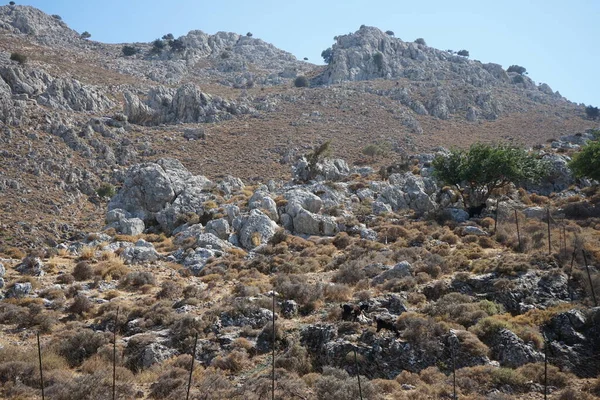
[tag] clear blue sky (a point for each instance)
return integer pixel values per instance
(556, 40)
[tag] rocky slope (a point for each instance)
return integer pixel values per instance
(177, 187)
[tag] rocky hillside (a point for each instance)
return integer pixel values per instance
(164, 190)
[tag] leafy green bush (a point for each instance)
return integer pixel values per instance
(106, 190)
(301, 81)
(586, 163)
(18, 57)
(481, 169)
(420, 41)
(157, 46)
(86, 35)
(390, 33)
(129, 51)
(464, 53)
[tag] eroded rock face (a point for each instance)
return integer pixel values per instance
(575, 341)
(187, 104)
(510, 350)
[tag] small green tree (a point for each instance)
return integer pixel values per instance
(129, 51)
(464, 53)
(327, 55)
(421, 41)
(586, 163)
(301, 81)
(389, 33)
(157, 46)
(168, 36)
(476, 172)
(373, 150)
(86, 35)
(249, 34)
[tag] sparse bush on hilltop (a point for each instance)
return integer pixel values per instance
(301, 81)
(464, 53)
(168, 36)
(129, 51)
(157, 46)
(177, 45)
(390, 33)
(486, 167)
(586, 163)
(57, 17)
(86, 35)
(18, 57)
(420, 41)
(249, 34)
(518, 69)
(592, 112)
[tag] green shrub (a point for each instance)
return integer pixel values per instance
(106, 190)
(129, 51)
(518, 69)
(301, 81)
(18, 57)
(157, 46)
(586, 163)
(420, 41)
(389, 33)
(592, 112)
(86, 35)
(464, 53)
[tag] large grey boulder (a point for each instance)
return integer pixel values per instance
(19, 290)
(327, 169)
(254, 229)
(302, 199)
(141, 252)
(262, 200)
(219, 227)
(160, 192)
(309, 223)
(196, 236)
(143, 351)
(408, 191)
(31, 266)
(398, 271)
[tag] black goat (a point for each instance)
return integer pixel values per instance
(351, 312)
(384, 323)
(476, 211)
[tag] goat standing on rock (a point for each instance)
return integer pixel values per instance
(352, 312)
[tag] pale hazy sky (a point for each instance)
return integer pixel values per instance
(556, 40)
